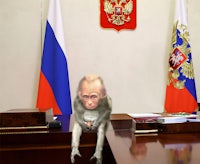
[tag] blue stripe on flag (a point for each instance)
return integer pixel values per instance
(189, 83)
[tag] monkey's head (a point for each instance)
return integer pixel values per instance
(91, 90)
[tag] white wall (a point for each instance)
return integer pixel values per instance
(20, 52)
(133, 63)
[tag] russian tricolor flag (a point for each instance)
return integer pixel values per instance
(180, 91)
(54, 88)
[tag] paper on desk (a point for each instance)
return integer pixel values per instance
(170, 120)
(193, 120)
(183, 114)
(143, 115)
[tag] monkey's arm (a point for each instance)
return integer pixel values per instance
(101, 123)
(77, 129)
(76, 133)
(100, 141)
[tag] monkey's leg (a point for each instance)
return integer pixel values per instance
(76, 133)
(100, 142)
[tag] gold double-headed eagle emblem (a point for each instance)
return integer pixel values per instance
(118, 11)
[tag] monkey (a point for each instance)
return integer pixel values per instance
(92, 109)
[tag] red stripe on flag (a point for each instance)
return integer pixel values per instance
(46, 98)
(179, 100)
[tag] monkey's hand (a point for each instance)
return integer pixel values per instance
(89, 124)
(98, 157)
(94, 126)
(74, 152)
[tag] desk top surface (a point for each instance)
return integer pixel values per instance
(154, 148)
(164, 148)
(141, 148)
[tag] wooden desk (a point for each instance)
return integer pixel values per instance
(121, 146)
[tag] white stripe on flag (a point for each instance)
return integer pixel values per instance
(54, 19)
(181, 14)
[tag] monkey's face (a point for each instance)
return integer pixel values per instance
(90, 94)
(91, 100)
